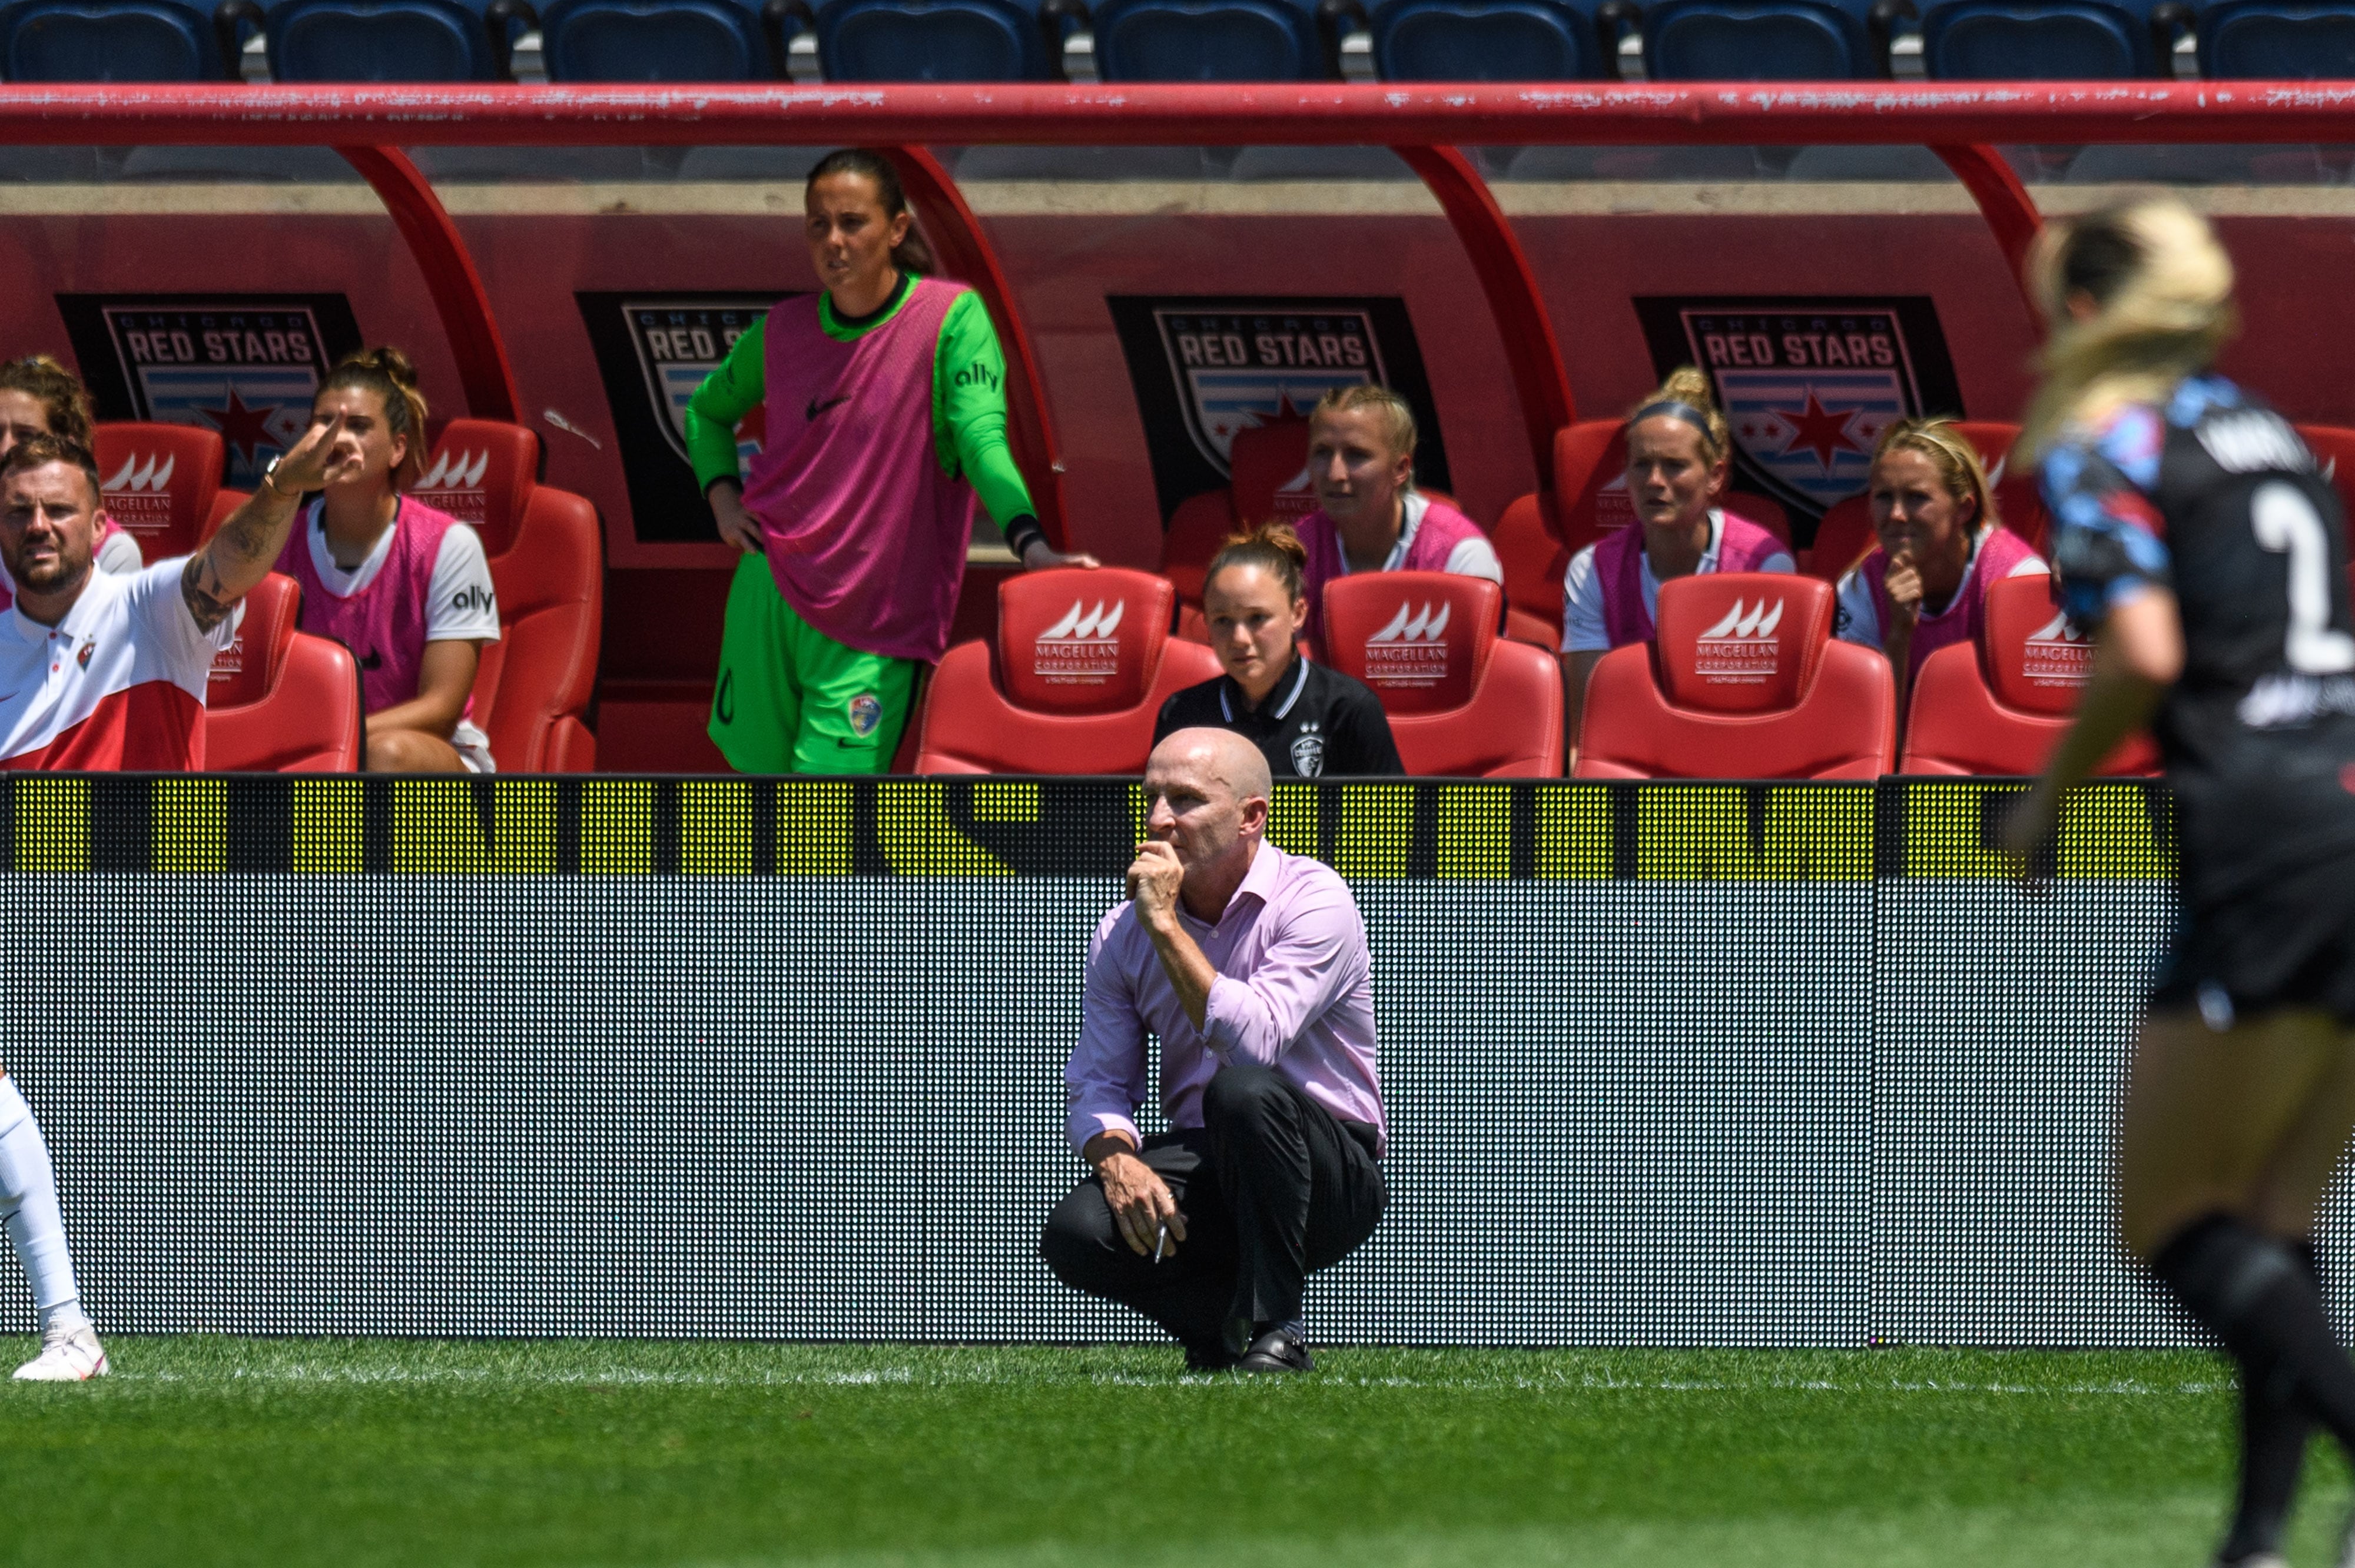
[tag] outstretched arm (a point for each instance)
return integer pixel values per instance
(2138, 654)
(240, 554)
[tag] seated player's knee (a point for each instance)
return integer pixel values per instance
(410, 751)
(1241, 1095)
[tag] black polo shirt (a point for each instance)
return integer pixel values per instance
(1318, 722)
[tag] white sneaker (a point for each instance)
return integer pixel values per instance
(72, 1357)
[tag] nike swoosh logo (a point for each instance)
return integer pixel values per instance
(817, 407)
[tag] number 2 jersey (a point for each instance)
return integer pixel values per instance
(2215, 497)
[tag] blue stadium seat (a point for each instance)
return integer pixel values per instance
(1214, 40)
(394, 40)
(2277, 40)
(2049, 40)
(1497, 40)
(946, 40)
(668, 40)
(1767, 41)
(122, 40)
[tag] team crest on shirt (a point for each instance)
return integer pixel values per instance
(84, 657)
(866, 712)
(1308, 750)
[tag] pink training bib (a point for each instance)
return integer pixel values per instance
(865, 534)
(1435, 538)
(1742, 547)
(1960, 621)
(384, 623)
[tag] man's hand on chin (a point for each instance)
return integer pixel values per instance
(1154, 878)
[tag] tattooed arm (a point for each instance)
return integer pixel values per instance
(234, 559)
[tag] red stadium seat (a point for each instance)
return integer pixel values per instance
(2019, 499)
(1590, 483)
(1083, 662)
(1268, 473)
(482, 471)
(1844, 537)
(1999, 706)
(1462, 702)
(547, 552)
(1261, 487)
(1530, 547)
(1744, 681)
(282, 701)
(1755, 508)
(160, 481)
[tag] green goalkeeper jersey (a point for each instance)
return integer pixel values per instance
(968, 406)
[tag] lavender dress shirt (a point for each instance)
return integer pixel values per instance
(1295, 992)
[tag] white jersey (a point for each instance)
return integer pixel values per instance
(117, 685)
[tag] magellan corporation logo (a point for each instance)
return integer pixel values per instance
(1743, 647)
(456, 484)
(1295, 498)
(1411, 650)
(1082, 648)
(139, 496)
(2054, 655)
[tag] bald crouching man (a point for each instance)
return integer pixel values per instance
(1250, 964)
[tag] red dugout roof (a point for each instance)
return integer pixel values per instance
(1314, 113)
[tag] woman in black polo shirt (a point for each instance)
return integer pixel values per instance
(1310, 719)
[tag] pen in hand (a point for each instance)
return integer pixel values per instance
(1161, 1241)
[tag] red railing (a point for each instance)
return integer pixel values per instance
(1962, 123)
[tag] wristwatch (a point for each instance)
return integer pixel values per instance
(269, 475)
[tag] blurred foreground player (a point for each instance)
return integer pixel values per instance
(105, 671)
(2198, 539)
(886, 397)
(1250, 966)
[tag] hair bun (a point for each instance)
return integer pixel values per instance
(395, 364)
(386, 361)
(1689, 384)
(1276, 536)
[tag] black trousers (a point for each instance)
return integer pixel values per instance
(1272, 1186)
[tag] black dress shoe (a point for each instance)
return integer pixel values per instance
(1210, 1358)
(1278, 1350)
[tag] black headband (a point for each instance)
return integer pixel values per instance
(1674, 410)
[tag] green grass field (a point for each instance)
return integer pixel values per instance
(208, 1450)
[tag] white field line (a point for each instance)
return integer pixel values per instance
(911, 1377)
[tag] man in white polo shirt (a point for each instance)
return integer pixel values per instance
(106, 672)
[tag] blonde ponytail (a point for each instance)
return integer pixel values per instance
(2163, 289)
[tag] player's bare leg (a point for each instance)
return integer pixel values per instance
(2228, 1139)
(28, 1202)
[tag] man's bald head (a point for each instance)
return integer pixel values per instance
(1206, 796)
(1222, 754)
